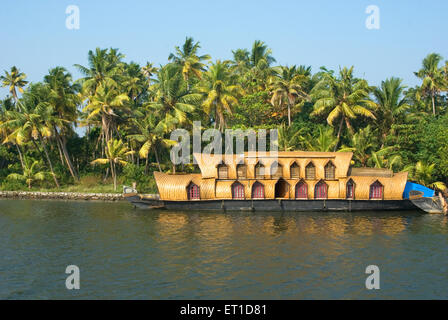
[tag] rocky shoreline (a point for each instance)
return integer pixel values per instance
(61, 196)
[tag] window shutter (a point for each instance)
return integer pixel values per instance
(276, 171)
(330, 171)
(310, 172)
(295, 171)
(259, 171)
(223, 172)
(242, 171)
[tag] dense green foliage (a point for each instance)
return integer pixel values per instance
(128, 112)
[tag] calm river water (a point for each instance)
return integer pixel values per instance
(124, 253)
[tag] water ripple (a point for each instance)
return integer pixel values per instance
(130, 254)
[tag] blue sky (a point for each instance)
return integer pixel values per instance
(316, 33)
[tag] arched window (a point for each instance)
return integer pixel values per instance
(330, 170)
(237, 191)
(276, 170)
(223, 171)
(193, 192)
(257, 191)
(310, 172)
(295, 171)
(376, 191)
(259, 171)
(321, 190)
(241, 171)
(350, 194)
(301, 190)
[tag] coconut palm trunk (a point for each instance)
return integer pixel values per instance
(289, 114)
(146, 165)
(16, 99)
(157, 158)
(433, 103)
(61, 157)
(20, 155)
(222, 122)
(339, 134)
(113, 173)
(50, 164)
(349, 126)
(63, 146)
(106, 128)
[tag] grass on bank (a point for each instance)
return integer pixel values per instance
(86, 184)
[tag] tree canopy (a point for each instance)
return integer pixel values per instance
(127, 112)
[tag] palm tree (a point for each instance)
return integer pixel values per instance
(116, 153)
(3, 132)
(422, 173)
(342, 98)
(253, 69)
(152, 138)
(287, 90)
(173, 100)
(8, 105)
(187, 58)
(386, 158)
(29, 174)
(32, 122)
(105, 104)
(260, 52)
(14, 80)
(64, 100)
(289, 137)
(241, 62)
(149, 70)
(134, 81)
(361, 145)
(432, 77)
(220, 92)
(324, 142)
(391, 104)
(260, 71)
(259, 78)
(104, 66)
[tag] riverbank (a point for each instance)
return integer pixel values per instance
(36, 195)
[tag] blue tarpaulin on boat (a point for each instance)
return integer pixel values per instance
(410, 186)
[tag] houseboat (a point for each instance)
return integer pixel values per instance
(286, 181)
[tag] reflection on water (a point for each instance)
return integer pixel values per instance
(134, 254)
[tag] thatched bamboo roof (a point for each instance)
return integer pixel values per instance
(173, 187)
(393, 186)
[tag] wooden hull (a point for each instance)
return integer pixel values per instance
(431, 205)
(277, 205)
(143, 203)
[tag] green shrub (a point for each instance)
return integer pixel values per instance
(90, 180)
(13, 185)
(133, 173)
